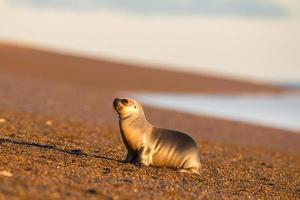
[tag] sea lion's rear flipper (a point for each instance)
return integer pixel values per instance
(191, 170)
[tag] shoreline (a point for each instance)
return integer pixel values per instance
(60, 137)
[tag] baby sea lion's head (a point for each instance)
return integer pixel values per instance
(127, 107)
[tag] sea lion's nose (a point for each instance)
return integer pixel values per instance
(116, 101)
(125, 101)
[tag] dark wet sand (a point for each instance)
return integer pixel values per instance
(59, 135)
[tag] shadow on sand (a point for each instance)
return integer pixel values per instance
(74, 152)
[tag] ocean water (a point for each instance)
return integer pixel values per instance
(252, 8)
(279, 111)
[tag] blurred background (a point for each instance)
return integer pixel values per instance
(226, 72)
(223, 47)
(246, 39)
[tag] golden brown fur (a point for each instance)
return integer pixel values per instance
(148, 145)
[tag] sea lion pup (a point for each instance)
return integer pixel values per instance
(149, 145)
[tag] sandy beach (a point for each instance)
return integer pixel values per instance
(59, 136)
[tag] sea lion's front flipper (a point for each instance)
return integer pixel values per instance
(130, 157)
(144, 156)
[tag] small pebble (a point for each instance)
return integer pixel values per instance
(106, 170)
(92, 191)
(5, 173)
(49, 123)
(2, 120)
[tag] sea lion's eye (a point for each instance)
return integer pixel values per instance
(135, 107)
